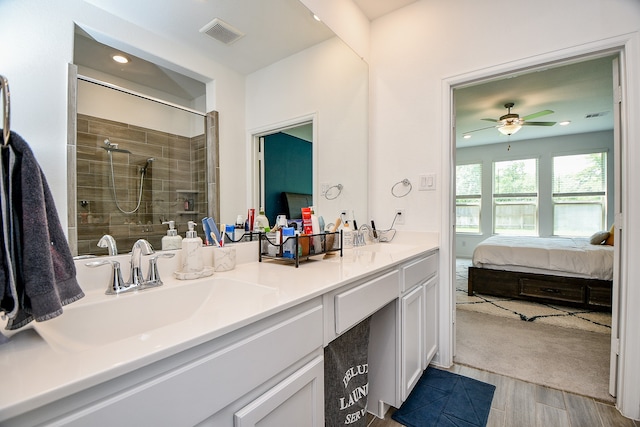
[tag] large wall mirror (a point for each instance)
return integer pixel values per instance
(139, 162)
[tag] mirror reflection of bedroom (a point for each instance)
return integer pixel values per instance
(534, 240)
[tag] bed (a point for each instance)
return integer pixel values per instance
(556, 270)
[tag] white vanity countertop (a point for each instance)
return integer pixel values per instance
(35, 372)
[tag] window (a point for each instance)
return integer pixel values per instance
(515, 197)
(579, 194)
(468, 197)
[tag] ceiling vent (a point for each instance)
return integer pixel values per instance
(222, 31)
(594, 115)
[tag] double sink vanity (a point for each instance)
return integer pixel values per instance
(238, 348)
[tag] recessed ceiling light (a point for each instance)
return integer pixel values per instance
(316, 17)
(120, 59)
(565, 123)
(467, 136)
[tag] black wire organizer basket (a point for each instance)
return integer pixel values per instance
(299, 247)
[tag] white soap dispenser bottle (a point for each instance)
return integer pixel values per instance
(192, 261)
(172, 240)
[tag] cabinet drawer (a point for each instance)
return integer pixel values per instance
(358, 303)
(554, 290)
(419, 271)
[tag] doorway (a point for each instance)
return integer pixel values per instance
(465, 242)
(284, 161)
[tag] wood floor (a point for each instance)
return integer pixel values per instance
(522, 404)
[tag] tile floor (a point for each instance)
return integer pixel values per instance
(520, 404)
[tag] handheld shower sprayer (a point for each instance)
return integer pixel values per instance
(143, 169)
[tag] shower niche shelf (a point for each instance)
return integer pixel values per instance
(184, 198)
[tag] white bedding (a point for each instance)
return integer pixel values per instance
(548, 255)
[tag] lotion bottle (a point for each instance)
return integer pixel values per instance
(172, 240)
(192, 261)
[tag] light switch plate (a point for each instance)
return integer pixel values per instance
(427, 182)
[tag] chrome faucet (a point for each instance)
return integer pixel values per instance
(116, 284)
(153, 277)
(140, 247)
(107, 241)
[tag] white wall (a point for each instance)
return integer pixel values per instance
(327, 81)
(543, 149)
(419, 50)
(37, 46)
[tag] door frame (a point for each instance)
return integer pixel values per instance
(627, 47)
(256, 181)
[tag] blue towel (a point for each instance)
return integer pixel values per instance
(37, 272)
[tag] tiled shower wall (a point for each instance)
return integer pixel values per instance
(177, 174)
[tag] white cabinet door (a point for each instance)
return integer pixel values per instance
(412, 339)
(431, 320)
(296, 401)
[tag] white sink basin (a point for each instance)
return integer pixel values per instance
(137, 314)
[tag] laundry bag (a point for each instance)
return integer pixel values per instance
(346, 378)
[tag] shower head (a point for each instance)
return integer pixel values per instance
(113, 148)
(143, 169)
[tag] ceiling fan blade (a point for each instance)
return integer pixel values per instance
(476, 130)
(538, 114)
(490, 120)
(539, 123)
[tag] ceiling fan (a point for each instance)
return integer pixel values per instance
(511, 123)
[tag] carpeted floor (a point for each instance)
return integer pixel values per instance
(561, 348)
(567, 359)
(566, 317)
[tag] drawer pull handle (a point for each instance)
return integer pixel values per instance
(551, 290)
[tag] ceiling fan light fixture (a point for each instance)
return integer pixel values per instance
(509, 128)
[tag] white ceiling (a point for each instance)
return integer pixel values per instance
(572, 91)
(274, 30)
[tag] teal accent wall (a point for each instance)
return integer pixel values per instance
(296, 177)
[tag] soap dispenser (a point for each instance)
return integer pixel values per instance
(192, 261)
(172, 240)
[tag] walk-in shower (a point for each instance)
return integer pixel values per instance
(111, 148)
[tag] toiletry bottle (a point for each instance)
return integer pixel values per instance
(262, 223)
(172, 240)
(347, 235)
(315, 225)
(288, 242)
(192, 261)
(251, 219)
(239, 229)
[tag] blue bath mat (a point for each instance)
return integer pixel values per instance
(445, 399)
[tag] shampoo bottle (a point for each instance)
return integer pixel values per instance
(171, 240)
(192, 261)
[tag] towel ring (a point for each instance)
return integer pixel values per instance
(404, 182)
(6, 128)
(339, 187)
